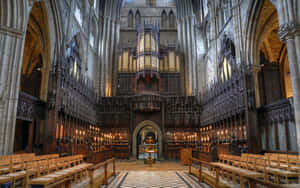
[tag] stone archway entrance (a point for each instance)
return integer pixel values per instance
(140, 126)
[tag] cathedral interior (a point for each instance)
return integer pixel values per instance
(149, 93)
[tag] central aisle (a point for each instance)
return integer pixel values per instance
(165, 179)
(166, 174)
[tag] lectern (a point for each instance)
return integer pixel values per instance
(185, 155)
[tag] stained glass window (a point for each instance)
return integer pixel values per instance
(78, 15)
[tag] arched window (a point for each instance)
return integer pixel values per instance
(74, 57)
(138, 17)
(95, 4)
(172, 20)
(79, 7)
(227, 61)
(93, 32)
(130, 19)
(78, 15)
(164, 19)
(226, 70)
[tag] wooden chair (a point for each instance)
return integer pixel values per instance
(5, 166)
(6, 181)
(274, 169)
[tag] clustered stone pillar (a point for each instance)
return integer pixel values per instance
(110, 40)
(13, 22)
(186, 21)
(289, 20)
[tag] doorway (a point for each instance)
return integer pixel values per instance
(147, 138)
(147, 143)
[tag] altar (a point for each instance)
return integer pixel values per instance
(148, 149)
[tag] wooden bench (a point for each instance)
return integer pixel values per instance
(230, 159)
(14, 163)
(275, 165)
(70, 169)
(211, 176)
(102, 179)
(253, 162)
(281, 167)
(17, 176)
(25, 155)
(6, 181)
(283, 161)
(51, 181)
(23, 169)
(5, 166)
(233, 172)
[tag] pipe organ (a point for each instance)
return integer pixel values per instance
(149, 68)
(148, 48)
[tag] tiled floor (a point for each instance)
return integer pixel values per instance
(143, 179)
(163, 174)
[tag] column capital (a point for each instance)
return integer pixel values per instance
(256, 68)
(288, 30)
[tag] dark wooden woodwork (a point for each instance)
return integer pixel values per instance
(271, 89)
(30, 108)
(81, 122)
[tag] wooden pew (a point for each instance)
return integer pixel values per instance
(5, 166)
(211, 176)
(17, 176)
(233, 166)
(230, 159)
(275, 165)
(6, 181)
(26, 166)
(276, 169)
(69, 169)
(96, 181)
(236, 171)
(51, 181)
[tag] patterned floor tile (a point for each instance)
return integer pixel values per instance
(155, 179)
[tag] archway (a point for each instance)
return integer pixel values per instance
(147, 142)
(262, 43)
(136, 131)
(269, 59)
(34, 78)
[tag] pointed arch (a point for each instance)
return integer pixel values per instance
(37, 49)
(172, 19)
(130, 19)
(138, 19)
(164, 19)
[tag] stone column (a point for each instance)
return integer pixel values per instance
(256, 69)
(185, 25)
(289, 32)
(13, 22)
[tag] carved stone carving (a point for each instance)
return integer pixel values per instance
(288, 30)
